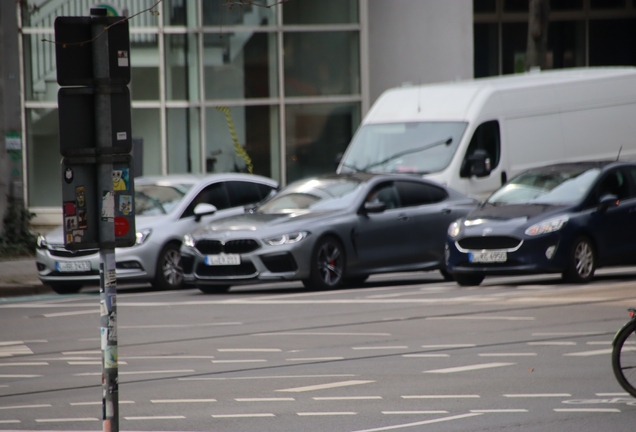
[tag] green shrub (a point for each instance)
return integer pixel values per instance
(17, 239)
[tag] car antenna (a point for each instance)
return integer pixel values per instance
(619, 152)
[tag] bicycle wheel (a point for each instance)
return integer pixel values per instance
(624, 358)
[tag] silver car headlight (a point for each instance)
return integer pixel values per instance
(547, 226)
(294, 237)
(142, 236)
(454, 229)
(41, 242)
(188, 241)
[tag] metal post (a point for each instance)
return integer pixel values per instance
(107, 269)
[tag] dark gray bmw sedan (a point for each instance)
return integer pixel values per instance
(327, 231)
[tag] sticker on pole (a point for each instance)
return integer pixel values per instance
(122, 226)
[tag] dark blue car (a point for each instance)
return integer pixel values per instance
(567, 218)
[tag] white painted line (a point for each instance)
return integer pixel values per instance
(327, 413)
(325, 386)
(315, 359)
(592, 333)
(25, 364)
(426, 355)
(139, 372)
(249, 350)
(507, 354)
(466, 396)
(161, 401)
(97, 403)
(484, 318)
(176, 357)
(94, 362)
(612, 394)
(499, 410)
(438, 420)
(240, 361)
(551, 343)
(597, 352)
(155, 418)
(469, 368)
(589, 410)
(599, 343)
(537, 395)
(267, 377)
(264, 399)
(242, 415)
(381, 348)
(25, 406)
(159, 326)
(8, 343)
(72, 358)
(449, 346)
(9, 421)
(60, 420)
(414, 412)
(324, 398)
(19, 376)
(320, 334)
(81, 352)
(61, 314)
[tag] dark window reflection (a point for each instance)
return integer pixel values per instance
(607, 4)
(613, 42)
(514, 42)
(320, 12)
(516, 5)
(481, 6)
(561, 5)
(486, 50)
(566, 44)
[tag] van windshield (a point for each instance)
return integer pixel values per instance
(417, 147)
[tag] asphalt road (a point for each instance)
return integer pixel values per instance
(404, 352)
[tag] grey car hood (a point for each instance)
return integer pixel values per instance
(56, 235)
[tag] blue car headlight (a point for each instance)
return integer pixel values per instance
(142, 236)
(188, 241)
(547, 226)
(294, 237)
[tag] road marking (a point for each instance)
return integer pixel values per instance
(601, 342)
(612, 394)
(266, 377)
(155, 418)
(315, 359)
(499, 410)
(159, 326)
(438, 420)
(163, 401)
(426, 355)
(97, 403)
(469, 368)
(81, 352)
(597, 352)
(485, 318)
(549, 343)
(320, 334)
(449, 346)
(507, 354)
(614, 410)
(264, 399)
(249, 350)
(324, 398)
(25, 406)
(25, 364)
(466, 396)
(160, 357)
(19, 376)
(240, 361)
(139, 372)
(333, 413)
(9, 421)
(325, 386)
(10, 349)
(93, 362)
(61, 314)
(60, 420)
(568, 334)
(537, 395)
(381, 348)
(242, 415)
(414, 412)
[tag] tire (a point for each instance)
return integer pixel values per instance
(327, 265)
(446, 275)
(624, 358)
(581, 261)
(65, 288)
(468, 279)
(355, 282)
(214, 289)
(168, 274)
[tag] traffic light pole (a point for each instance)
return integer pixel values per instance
(107, 266)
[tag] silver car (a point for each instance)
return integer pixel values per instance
(327, 231)
(165, 212)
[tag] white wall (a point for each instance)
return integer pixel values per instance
(418, 41)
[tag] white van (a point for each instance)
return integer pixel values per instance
(473, 135)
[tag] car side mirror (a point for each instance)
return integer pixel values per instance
(607, 201)
(374, 207)
(203, 209)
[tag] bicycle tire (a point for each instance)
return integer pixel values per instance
(624, 358)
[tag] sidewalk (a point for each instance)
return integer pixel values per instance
(20, 277)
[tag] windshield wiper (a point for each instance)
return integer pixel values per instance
(405, 152)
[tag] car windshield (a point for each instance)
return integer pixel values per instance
(313, 194)
(543, 186)
(156, 199)
(418, 147)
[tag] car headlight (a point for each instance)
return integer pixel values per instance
(454, 229)
(294, 237)
(547, 226)
(41, 242)
(188, 241)
(142, 236)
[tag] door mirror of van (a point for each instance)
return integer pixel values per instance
(478, 164)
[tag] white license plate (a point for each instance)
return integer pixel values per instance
(73, 266)
(223, 259)
(487, 257)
